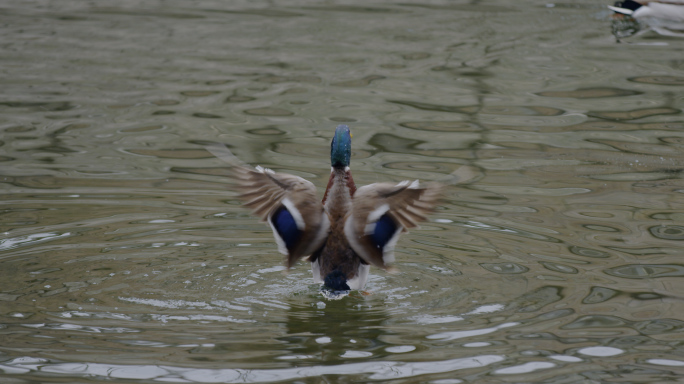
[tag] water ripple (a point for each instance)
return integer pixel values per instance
(647, 271)
(121, 234)
(32, 239)
(378, 370)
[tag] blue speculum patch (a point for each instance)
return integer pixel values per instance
(286, 227)
(384, 230)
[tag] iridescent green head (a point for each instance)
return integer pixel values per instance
(340, 148)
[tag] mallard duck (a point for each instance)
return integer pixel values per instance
(634, 18)
(667, 10)
(348, 230)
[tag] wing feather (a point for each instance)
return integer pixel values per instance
(409, 203)
(267, 193)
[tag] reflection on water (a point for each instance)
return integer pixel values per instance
(372, 370)
(554, 257)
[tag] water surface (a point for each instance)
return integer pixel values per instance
(555, 256)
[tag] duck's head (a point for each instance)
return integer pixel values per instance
(340, 148)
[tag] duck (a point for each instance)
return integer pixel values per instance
(663, 17)
(347, 231)
(668, 10)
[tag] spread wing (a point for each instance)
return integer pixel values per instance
(381, 212)
(287, 202)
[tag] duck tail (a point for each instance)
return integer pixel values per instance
(336, 280)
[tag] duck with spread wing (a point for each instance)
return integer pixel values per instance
(349, 230)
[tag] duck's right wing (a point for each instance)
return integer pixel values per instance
(288, 203)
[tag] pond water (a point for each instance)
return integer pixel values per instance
(556, 255)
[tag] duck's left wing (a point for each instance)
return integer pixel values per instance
(381, 212)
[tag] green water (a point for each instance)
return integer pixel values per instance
(556, 255)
